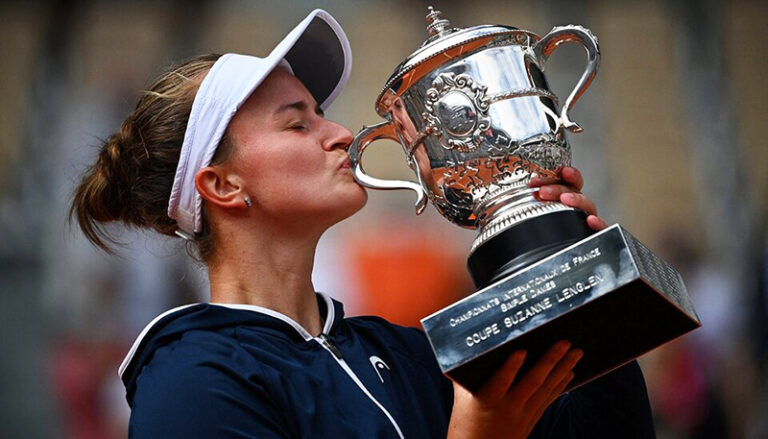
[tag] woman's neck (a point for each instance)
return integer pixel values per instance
(271, 271)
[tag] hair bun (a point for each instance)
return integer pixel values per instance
(131, 179)
(113, 181)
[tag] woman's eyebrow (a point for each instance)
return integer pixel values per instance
(298, 105)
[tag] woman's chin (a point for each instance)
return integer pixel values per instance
(355, 205)
(352, 205)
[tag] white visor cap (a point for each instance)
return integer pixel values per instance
(317, 52)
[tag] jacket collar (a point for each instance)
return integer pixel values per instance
(324, 301)
(171, 324)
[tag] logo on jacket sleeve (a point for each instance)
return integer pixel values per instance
(377, 364)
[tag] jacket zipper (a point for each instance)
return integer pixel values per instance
(325, 342)
(330, 347)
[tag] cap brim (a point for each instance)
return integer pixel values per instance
(319, 54)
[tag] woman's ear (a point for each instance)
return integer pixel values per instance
(221, 188)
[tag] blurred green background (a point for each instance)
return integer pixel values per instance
(673, 149)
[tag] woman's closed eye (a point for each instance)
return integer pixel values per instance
(299, 125)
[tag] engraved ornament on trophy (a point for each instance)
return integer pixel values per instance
(475, 117)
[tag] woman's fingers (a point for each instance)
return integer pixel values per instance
(538, 180)
(503, 409)
(562, 370)
(566, 190)
(573, 177)
(579, 201)
(553, 192)
(567, 196)
(498, 385)
(535, 378)
(569, 175)
(558, 390)
(596, 223)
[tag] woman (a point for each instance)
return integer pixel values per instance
(234, 154)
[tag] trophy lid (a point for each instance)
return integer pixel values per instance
(445, 43)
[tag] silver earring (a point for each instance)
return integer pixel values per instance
(248, 202)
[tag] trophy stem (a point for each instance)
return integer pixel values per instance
(525, 243)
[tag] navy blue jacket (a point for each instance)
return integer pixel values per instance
(240, 371)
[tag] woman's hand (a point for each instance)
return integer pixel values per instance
(502, 410)
(567, 190)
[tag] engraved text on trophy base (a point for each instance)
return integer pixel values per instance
(522, 303)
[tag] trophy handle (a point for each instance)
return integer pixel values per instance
(571, 34)
(368, 134)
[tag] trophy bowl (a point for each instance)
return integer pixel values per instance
(475, 116)
(476, 119)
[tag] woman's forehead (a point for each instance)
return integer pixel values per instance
(278, 89)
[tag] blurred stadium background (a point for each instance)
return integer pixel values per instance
(674, 150)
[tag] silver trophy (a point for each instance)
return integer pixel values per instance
(476, 119)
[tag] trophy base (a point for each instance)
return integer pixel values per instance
(607, 294)
(525, 243)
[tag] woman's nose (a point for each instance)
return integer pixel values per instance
(339, 136)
